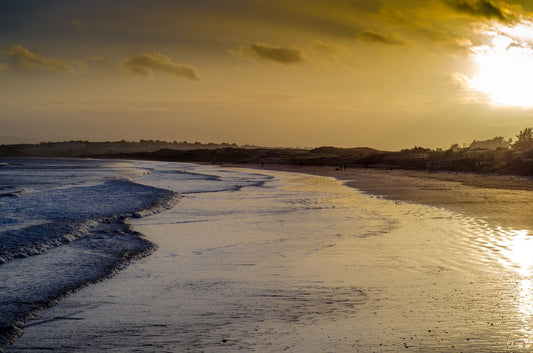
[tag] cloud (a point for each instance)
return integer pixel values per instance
(480, 8)
(369, 35)
(22, 59)
(420, 26)
(3, 67)
(144, 65)
(268, 52)
(326, 50)
(451, 41)
(96, 60)
(516, 45)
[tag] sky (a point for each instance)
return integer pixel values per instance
(387, 74)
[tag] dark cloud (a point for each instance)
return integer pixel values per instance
(369, 35)
(144, 65)
(277, 54)
(420, 26)
(478, 8)
(22, 59)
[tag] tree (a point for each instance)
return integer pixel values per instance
(524, 140)
(454, 147)
(492, 144)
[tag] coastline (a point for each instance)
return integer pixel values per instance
(358, 274)
(505, 201)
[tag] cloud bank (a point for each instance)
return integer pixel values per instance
(21, 59)
(479, 8)
(371, 36)
(268, 52)
(144, 65)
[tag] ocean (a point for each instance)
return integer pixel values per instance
(64, 224)
(246, 260)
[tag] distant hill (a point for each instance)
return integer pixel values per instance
(77, 148)
(479, 158)
(318, 156)
(498, 161)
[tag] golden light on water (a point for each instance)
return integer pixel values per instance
(504, 68)
(518, 250)
(525, 301)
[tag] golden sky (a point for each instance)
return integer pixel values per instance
(387, 74)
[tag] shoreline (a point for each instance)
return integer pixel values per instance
(505, 201)
(335, 282)
(511, 182)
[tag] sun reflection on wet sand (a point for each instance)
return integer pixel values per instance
(517, 251)
(525, 311)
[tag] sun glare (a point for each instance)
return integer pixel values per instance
(517, 249)
(504, 68)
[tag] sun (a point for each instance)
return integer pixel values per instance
(504, 68)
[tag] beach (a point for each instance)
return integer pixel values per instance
(317, 260)
(504, 200)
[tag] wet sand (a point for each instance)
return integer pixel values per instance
(307, 264)
(501, 200)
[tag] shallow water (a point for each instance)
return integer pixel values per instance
(63, 224)
(304, 264)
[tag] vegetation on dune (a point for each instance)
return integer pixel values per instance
(497, 155)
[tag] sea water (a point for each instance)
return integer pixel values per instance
(259, 261)
(64, 224)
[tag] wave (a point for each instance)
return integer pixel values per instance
(186, 175)
(36, 283)
(80, 232)
(14, 193)
(75, 248)
(67, 224)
